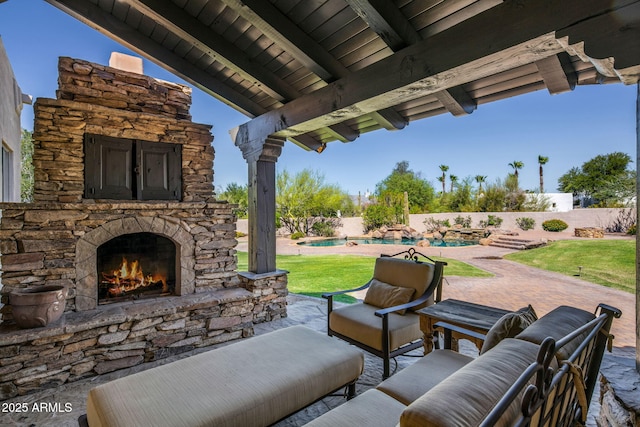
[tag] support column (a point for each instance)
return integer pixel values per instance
(261, 163)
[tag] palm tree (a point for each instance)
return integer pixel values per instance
(517, 164)
(480, 179)
(453, 179)
(542, 160)
(441, 179)
(443, 168)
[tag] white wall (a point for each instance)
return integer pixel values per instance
(10, 128)
(558, 202)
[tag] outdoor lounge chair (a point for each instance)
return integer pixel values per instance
(385, 323)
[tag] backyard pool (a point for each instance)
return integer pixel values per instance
(364, 241)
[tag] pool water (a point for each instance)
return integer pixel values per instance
(363, 241)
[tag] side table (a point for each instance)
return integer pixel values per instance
(473, 317)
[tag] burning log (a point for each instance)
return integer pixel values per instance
(129, 278)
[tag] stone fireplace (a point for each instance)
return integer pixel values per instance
(124, 216)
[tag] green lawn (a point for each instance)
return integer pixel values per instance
(605, 262)
(316, 274)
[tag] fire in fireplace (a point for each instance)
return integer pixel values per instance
(133, 266)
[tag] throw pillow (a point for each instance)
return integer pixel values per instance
(508, 326)
(384, 295)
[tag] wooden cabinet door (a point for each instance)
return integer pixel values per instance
(128, 169)
(107, 168)
(159, 167)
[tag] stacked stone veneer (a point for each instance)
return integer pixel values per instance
(54, 240)
(100, 100)
(90, 343)
(55, 244)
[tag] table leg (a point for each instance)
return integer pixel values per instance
(426, 325)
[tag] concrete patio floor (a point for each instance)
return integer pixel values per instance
(513, 286)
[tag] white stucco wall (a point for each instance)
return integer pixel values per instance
(10, 127)
(558, 202)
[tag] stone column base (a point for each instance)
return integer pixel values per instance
(270, 291)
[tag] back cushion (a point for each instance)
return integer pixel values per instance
(383, 295)
(406, 273)
(467, 396)
(556, 324)
(508, 326)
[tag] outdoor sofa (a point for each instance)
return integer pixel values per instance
(254, 382)
(545, 375)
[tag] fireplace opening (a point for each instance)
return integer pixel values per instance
(136, 266)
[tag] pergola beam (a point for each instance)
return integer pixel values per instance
(552, 70)
(387, 21)
(443, 61)
(279, 28)
(457, 101)
(396, 31)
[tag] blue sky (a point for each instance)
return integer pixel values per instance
(569, 128)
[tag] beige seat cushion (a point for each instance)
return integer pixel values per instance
(406, 273)
(413, 381)
(471, 392)
(556, 324)
(359, 322)
(371, 409)
(253, 382)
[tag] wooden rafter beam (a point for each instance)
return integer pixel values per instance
(445, 60)
(457, 101)
(192, 31)
(554, 74)
(105, 23)
(611, 42)
(390, 24)
(389, 119)
(279, 28)
(383, 17)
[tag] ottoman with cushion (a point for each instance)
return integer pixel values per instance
(254, 382)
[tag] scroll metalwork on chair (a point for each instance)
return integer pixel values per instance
(385, 323)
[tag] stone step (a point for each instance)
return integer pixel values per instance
(516, 243)
(508, 245)
(514, 239)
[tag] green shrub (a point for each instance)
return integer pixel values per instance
(526, 223)
(240, 234)
(492, 221)
(297, 235)
(375, 216)
(323, 229)
(554, 225)
(464, 222)
(433, 224)
(633, 230)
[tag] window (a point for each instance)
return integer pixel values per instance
(127, 169)
(7, 174)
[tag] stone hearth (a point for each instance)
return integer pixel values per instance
(54, 241)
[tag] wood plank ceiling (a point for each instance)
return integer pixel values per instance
(316, 71)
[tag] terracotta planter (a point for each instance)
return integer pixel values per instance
(39, 306)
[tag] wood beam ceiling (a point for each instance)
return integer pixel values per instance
(105, 23)
(445, 60)
(392, 26)
(192, 31)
